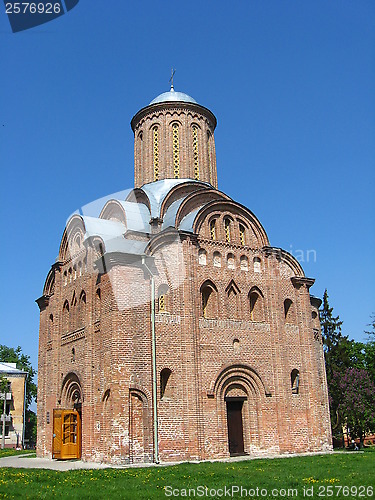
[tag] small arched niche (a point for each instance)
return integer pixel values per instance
(294, 380)
(165, 385)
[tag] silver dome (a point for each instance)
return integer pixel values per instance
(173, 96)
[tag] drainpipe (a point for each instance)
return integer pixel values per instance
(24, 415)
(153, 358)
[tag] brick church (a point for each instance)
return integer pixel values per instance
(170, 328)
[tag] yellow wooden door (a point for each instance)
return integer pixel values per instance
(56, 438)
(67, 434)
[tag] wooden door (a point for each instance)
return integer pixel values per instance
(235, 428)
(56, 438)
(67, 434)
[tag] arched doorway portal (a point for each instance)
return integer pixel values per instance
(67, 427)
(240, 393)
(235, 397)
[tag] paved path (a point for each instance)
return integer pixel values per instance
(24, 461)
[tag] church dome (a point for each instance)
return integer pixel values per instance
(173, 96)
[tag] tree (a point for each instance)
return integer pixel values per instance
(335, 347)
(357, 402)
(370, 350)
(11, 355)
(371, 333)
(331, 335)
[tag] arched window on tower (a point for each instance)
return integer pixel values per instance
(294, 379)
(209, 300)
(209, 152)
(176, 150)
(213, 229)
(227, 229)
(195, 152)
(140, 150)
(155, 144)
(256, 300)
(242, 234)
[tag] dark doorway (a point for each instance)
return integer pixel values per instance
(235, 428)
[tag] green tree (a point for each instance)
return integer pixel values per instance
(357, 405)
(11, 355)
(370, 350)
(331, 335)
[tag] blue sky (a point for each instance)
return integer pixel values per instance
(290, 82)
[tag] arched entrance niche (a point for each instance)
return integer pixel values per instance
(71, 392)
(67, 427)
(140, 442)
(239, 393)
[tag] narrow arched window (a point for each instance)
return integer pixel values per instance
(205, 298)
(140, 149)
(289, 311)
(256, 304)
(73, 312)
(66, 316)
(209, 150)
(233, 302)
(195, 152)
(244, 263)
(230, 261)
(162, 297)
(209, 300)
(97, 303)
(294, 379)
(217, 259)
(227, 230)
(73, 354)
(65, 278)
(213, 229)
(50, 326)
(155, 143)
(164, 385)
(202, 257)
(242, 234)
(162, 303)
(82, 304)
(176, 150)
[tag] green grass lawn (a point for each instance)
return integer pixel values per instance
(8, 452)
(324, 473)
